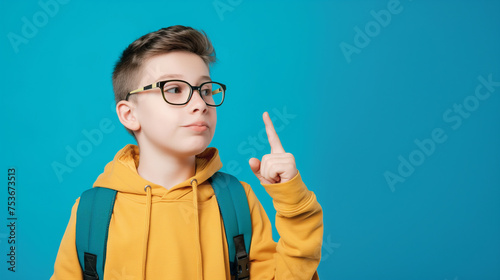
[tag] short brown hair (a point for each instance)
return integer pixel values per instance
(173, 38)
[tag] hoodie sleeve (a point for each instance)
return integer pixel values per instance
(67, 265)
(299, 221)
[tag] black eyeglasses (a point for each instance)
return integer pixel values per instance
(179, 92)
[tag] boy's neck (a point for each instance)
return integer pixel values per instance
(164, 169)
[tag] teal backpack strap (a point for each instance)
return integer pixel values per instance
(92, 223)
(234, 208)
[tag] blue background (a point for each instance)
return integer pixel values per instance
(348, 119)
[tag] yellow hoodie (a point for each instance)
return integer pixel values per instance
(155, 233)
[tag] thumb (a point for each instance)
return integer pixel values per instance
(255, 166)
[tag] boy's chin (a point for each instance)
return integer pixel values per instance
(199, 150)
(193, 150)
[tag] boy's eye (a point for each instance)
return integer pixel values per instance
(206, 89)
(173, 89)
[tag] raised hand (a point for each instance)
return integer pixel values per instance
(278, 166)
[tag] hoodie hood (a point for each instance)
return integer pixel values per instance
(121, 173)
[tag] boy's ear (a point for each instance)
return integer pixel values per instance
(126, 114)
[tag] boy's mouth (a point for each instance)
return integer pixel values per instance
(198, 126)
(198, 123)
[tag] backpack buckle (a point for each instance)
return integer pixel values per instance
(89, 272)
(242, 261)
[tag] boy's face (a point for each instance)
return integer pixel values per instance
(168, 128)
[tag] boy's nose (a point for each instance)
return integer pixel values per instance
(197, 101)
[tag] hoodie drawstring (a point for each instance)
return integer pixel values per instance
(147, 189)
(194, 184)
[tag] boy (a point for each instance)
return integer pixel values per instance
(166, 222)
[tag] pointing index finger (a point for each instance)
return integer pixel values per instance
(272, 136)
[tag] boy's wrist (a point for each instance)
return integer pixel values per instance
(289, 193)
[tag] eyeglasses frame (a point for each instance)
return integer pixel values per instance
(160, 85)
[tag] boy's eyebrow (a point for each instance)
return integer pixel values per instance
(178, 76)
